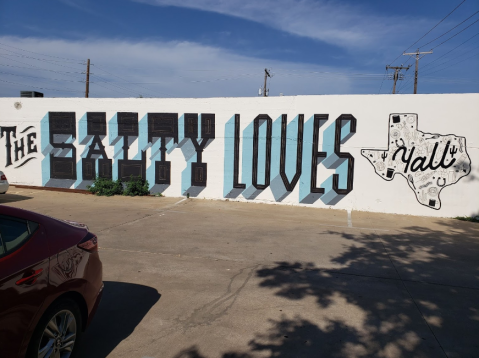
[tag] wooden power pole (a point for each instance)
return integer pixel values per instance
(397, 76)
(417, 53)
(87, 88)
(266, 75)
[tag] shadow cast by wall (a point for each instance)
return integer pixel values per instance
(122, 308)
(427, 307)
(11, 198)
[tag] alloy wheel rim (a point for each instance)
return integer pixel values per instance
(59, 336)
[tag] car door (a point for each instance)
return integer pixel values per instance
(24, 268)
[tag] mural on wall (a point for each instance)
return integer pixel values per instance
(154, 133)
(128, 129)
(277, 155)
(304, 150)
(59, 164)
(199, 170)
(162, 126)
(281, 156)
(24, 145)
(96, 131)
(429, 162)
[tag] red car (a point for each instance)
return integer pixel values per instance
(50, 284)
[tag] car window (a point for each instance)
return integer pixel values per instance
(14, 233)
(2, 247)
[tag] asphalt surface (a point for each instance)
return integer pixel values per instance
(191, 278)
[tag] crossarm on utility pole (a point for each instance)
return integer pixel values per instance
(396, 69)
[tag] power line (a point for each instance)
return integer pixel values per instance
(384, 77)
(451, 29)
(404, 84)
(452, 59)
(42, 78)
(454, 35)
(110, 89)
(224, 78)
(44, 88)
(47, 60)
(39, 69)
(108, 83)
(17, 54)
(29, 64)
(409, 59)
(429, 73)
(112, 74)
(470, 38)
(113, 84)
(333, 73)
(429, 79)
(56, 64)
(426, 78)
(37, 53)
(296, 73)
(444, 18)
(448, 80)
(36, 68)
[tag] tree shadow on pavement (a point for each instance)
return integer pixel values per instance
(122, 308)
(425, 305)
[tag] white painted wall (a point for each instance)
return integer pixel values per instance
(442, 114)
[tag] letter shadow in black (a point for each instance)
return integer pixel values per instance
(62, 165)
(314, 196)
(196, 173)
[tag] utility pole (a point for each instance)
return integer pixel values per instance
(417, 53)
(266, 75)
(87, 89)
(397, 76)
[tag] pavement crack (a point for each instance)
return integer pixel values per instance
(125, 223)
(215, 309)
(163, 210)
(273, 265)
(167, 254)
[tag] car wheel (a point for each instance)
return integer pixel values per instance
(57, 332)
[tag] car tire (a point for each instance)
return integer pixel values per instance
(58, 330)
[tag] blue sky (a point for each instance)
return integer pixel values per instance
(206, 48)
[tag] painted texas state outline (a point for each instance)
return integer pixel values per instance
(429, 162)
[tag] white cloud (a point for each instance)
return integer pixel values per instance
(329, 21)
(156, 69)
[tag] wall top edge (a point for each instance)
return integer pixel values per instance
(242, 98)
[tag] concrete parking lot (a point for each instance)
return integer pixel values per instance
(191, 278)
